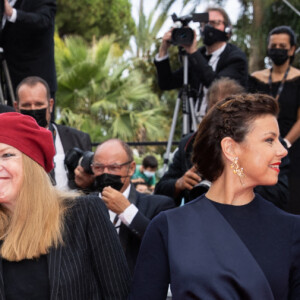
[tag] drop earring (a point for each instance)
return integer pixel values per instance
(237, 169)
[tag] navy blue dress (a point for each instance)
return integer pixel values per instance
(210, 251)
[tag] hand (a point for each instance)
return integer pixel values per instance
(166, 43)
(193, 47)
(8, 10)
(188, 180)
(138, 180)
(114, 200)
(83, 179)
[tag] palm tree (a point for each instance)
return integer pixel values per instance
(104, 95)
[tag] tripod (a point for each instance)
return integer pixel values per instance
(189, 123)
(6, 89)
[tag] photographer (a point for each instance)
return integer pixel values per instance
(33, 99)
(214, 60)
(27, 39)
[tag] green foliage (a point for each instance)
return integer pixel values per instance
(95, 18)
(100, 93)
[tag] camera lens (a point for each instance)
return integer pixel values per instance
(182, 36)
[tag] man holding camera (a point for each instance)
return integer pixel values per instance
(33, 99)
(216, 59)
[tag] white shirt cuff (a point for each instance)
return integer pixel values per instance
(157, 58)
(288, 144)
(13, 16)
(128, 214)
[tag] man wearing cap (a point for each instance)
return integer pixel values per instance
(33, 98)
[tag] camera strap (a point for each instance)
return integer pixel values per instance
(280, 88)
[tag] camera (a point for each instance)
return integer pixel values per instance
(75, 157)
(199, 189)
(185, 35)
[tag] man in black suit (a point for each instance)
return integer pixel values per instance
(33, 98)
(27, 40)
(130, 211)
(214, 60)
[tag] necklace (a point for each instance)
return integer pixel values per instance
(280, 88)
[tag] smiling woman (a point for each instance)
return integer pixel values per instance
(11, 174)
(51, 241)
(215, 247)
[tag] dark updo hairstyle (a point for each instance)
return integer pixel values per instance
(231, 117)
(286, 30)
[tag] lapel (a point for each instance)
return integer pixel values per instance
(63, 134)
(54, 263)
(124, 231)
(221, 59)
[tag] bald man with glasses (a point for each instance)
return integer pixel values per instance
(130, 211)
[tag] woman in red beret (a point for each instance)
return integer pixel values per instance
(54, 245)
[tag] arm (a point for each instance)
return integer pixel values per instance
(108, 260)
(232, 64)
(180, 174)
(40, 15)
(149, 207)
(151, 277)
(166, 184)
(294, 132)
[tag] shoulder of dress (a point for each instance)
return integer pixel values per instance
(261, 75)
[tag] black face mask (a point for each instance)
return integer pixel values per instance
(278, 56)
(105, 180)
(38, 114)
(212, 35)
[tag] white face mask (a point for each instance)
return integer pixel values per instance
(149, 174)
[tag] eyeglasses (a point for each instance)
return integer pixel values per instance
(113, 168)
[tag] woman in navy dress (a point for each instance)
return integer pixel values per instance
(230, 243)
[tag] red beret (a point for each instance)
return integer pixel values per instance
(23, 133)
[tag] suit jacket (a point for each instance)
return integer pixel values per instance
(149, 206)
(28, 43)
(180, 164)
(232, 64)
(277, 194)
(71, 137)
(91, 264)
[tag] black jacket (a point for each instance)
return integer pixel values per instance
(149, 206)
(91, 264)
(29, 44)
